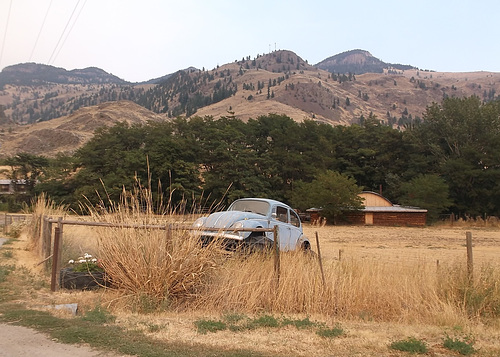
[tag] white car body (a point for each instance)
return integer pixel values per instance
(249, 213)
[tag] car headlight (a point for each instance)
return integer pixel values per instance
(236, 225)
(199, 222)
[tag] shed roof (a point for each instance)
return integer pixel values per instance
(375, 202)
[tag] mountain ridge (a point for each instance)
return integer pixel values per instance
(280, 82)
(31, 73)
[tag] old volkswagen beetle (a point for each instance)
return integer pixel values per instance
(254, 213)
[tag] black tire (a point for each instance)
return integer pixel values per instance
(305, 246)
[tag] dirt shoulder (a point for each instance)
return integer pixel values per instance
(22, 341)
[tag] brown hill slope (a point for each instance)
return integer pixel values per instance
(281, 82)
(278, 82)
(66, 134)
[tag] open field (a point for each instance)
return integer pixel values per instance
(407, 245)
(392, 248)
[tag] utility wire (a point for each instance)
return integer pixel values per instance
(62, 34)
(70, 29)
(5, 33)
(40, 31)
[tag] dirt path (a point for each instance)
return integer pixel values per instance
(16, 341)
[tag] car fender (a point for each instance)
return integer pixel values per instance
(303, 240)
(249, 223)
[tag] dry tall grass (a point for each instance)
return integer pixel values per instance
(40, 206)
(157, 265)
(355, 289)
(168, 268)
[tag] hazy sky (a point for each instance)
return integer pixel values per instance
(140, 40)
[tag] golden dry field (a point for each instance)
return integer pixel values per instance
(407, 245)
(396, 251)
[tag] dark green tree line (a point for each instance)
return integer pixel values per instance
(454, 151)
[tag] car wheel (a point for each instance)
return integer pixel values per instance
(305, 246)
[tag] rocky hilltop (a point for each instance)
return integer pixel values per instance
(358, 62)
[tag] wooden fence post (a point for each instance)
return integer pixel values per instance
(276, 255)
(55, 258)
(320, 261)
(57, 255)
(470, 262)
(59, 258)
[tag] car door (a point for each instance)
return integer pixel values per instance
(295, 229)
(287, 233)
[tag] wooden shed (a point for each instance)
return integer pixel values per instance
(380, 211)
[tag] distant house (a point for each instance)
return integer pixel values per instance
(9, 187)
(379, 211)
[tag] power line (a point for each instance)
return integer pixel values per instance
(40, 31)
(5, 33)
(62, 34)
(70, 29)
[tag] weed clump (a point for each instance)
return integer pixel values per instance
(238, 323)
(411, 344)
(330, 332)
(464, 345)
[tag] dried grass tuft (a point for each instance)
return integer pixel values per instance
(41, 206)
(158, 263)
(355, 289)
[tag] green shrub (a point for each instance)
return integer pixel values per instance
(233, 318)
(265, 321)
(4, 271)
(204, 326)
(411, 344)
(7, 254)
(98, 315)
(330, 332)
(464, 346)
(237, 322)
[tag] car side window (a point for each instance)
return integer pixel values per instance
(282, 214)
(294, 219)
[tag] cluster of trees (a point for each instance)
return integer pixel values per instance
(184, 87)
(53, 105)
(450, 162)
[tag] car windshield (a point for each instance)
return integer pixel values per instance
(259, 207)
